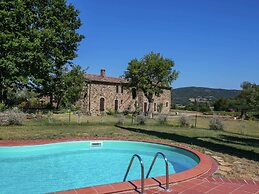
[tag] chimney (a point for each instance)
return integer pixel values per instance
(102, 72)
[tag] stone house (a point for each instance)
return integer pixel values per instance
(103, 94)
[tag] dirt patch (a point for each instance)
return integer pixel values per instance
(234, 167)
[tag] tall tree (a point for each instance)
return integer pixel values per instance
(67, 90)
(151, 74)
(37, 39)
(248, 99)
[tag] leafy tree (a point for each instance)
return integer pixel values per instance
(248, 99)
(68, 88)
(221, 104)
(37, 39)
(201, 107)
(151, 74)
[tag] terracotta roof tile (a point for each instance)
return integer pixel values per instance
(98, 78)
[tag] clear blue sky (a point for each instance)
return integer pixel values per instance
(214, 43)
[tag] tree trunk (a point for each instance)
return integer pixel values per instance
(4, 96)
(243, 114)
(150, 108)
(58, 103)
(1, 94)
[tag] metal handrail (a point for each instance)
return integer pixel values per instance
(142, 170)
(166, 167)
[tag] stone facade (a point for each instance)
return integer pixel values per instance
(112, 94)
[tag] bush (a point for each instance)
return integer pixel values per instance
(12, 117)
(162, 119)
(50, 117)
(141, 119)
(216, 124)
(2, 106)
(121, 119)
(184, 121)
(110, 112)
(160, 107)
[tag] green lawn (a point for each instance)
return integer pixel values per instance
(231, 141)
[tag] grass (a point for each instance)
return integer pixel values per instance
(229, 140)
(239, 127)
(238, 141)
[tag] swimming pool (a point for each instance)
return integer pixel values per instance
(67, 165)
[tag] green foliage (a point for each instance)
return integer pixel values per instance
(141, 119)
(216, 124)
(12, 117)
(121, 119)
(221, 105)
(248, 99)
(111, 112)
(160, 107)
(69, 87)
(151, 74)
(201, 107)
(50, 117)
(2, 106)
(182, 95)
(184, 121)
(162, 119)
(37, 39)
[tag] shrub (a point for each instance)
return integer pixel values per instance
(184, 121)
(141, 119)
(121, 119)
(50, 117)
(110, 112)
(216, 124)
(162, 119)
(160, 107)
(2, 106)
(12, 117)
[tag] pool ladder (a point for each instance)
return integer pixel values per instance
(150, 168)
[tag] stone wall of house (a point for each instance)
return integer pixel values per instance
(90, 101)
(164, 101)
(109, 93)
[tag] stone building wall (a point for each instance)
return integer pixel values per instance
(111, 90)
(94, 92)
(164, 99)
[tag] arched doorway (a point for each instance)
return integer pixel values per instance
(116, 105)
(101, 104)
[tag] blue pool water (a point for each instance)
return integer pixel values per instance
(63, 166)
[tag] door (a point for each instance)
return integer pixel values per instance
(102, 104)
(116, 105)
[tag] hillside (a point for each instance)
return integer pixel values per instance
(184, 95)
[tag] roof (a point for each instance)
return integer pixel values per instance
(104, 79)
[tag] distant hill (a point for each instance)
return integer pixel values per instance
(187, 94)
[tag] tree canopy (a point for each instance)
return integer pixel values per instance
(37, 40)
(248, 99)
(151, 74)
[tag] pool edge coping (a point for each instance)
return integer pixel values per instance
(200, 169)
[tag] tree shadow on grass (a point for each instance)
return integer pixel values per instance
(251, 155)
(241, 140)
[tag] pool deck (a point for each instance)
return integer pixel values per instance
(193, 181)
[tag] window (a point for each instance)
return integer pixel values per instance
(116, 105)
(117, 89)
(102, 104)
(122, 89)
(154, 106)
(121, 102)
(134, 93)
(166, 104)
